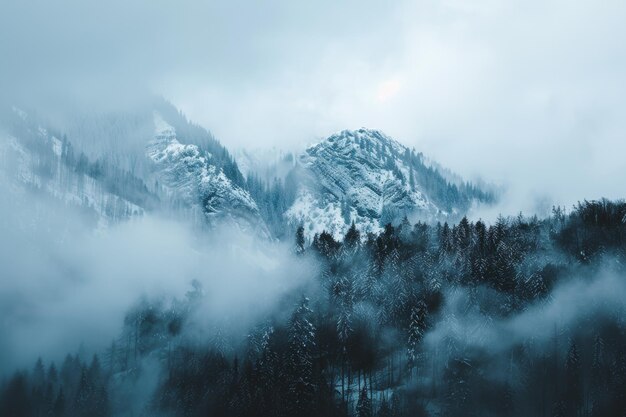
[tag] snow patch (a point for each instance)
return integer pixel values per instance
(356, 176)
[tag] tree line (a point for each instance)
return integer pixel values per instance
(417, 320)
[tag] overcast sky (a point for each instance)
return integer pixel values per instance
(526, 93)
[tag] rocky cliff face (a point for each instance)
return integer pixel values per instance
(121, 165)
(176, 174)
(188, 176)
(368, 178)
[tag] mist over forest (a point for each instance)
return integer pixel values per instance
(524, 316)
(350, 209)
(147, 276)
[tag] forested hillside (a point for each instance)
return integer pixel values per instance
(523, 317)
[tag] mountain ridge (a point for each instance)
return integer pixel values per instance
(156, 159)
(366, 177)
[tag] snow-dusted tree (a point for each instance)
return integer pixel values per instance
(417, 327)
(344, 321)
(405, 231)
(301, 347)
(353, 237)
(598, 377)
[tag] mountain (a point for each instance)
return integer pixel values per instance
(370, 179)
(37, 161)
(187, 175)
(121, 164)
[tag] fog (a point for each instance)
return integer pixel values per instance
(66, 286)
(590, 299)
(528, 95)
(523, 97)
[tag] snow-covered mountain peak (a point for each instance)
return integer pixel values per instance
(368, 177)
(122, 165)
(368, 146)
(356, 175)
(365, 135)
(190, 179)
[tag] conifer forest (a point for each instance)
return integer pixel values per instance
(417, 320)
(355, 208)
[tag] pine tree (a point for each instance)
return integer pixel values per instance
(111, 358)
(445, 239)
(505, 402)
(300, 240)
(384, 410)
(58, 409)
(83, 402)
(353, 237)
(14, 400)
(405, 231)
(326, 244)
(315, 243)
(417, 326)
(364, 404)
(39, 375)
(464, 235)
(344, 320)
(598, 387)
(95, 371)
(301, 346)
(456, 378)
(38, 382)
(52, 375)
(573, 383)
(70, 371)
(559, 409)
(396, 408)
(504, 267)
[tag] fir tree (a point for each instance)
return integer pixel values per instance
(384, 410)
(301, 346)
(417, 326)
(364, 404)
(573, 383)
(58, 409)
(353, 237)
(300, 240)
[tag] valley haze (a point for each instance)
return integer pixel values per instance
(368, 209)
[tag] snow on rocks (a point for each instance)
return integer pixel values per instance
(355, 176)
(189, 177)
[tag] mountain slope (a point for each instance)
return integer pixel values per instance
(36, 161)
(151, 157)
(122, 164)
(366, 177)
(188, 176)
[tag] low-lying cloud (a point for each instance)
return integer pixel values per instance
(575, 300)
(63, 285)
(529, 95)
